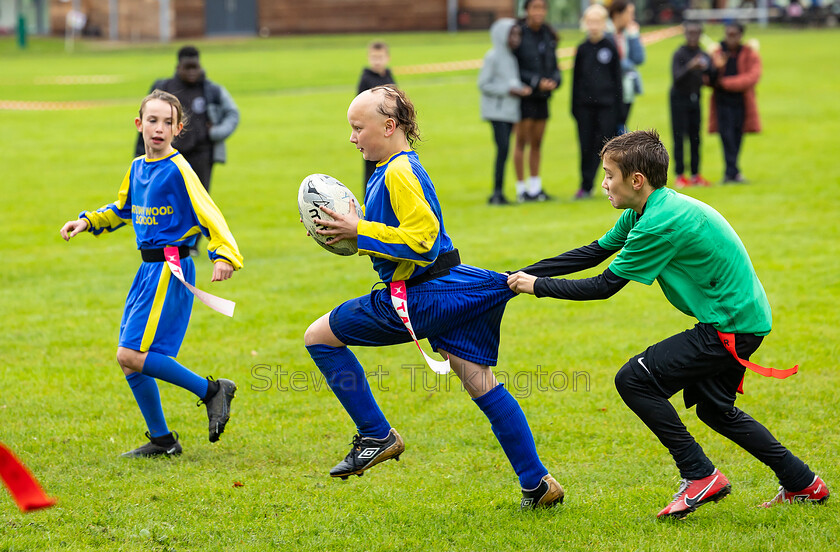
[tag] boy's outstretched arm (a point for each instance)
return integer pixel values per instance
(570, 261)
(603, 286)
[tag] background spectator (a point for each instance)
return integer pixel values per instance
(632, 53)
(500, 92)
(734, 109)
(690, 66)
(537, 57)
(376, 74)
(596, 94)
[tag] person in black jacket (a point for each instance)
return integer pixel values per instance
(537, 57)
(690, 68)
(377, 74)
(210, 110)
(596, 94)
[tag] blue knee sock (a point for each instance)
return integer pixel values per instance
(511, 429)
(167, 369)
(346, 378)
(146, 394)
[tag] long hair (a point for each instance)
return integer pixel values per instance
(398, 107)
(158, 94)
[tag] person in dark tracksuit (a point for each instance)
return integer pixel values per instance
(690, 68)
(375, 74)
(596, 94)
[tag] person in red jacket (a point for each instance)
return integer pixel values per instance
(734, 110)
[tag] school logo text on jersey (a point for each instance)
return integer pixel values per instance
(148, 215)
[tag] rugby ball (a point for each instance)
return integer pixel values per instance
(318, 190)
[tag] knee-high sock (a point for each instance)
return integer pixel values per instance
(511, 429)
(146, 394)
(168, 369)
(346, 378)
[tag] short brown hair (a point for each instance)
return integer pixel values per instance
(398, 107)
(639, 151)
(618, 6)
(378, 45)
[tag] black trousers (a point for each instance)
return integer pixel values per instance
(501, 134)
(201, 161)
(697, 362)
(370, 166)
(596, 124)
(730, 119)
(623, 116)
(685, 122)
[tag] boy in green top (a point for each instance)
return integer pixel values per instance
(704, 270)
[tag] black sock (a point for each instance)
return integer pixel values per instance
(213, 387)
(164, 440)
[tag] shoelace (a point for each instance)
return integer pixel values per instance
(684, 484)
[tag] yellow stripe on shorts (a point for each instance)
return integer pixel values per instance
(157, 308)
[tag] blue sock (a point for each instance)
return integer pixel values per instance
(146, 394)
(346, 378)
(167, 369)
(511, 429)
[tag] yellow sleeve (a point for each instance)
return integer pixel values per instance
(222, 245)
(412, 236)
(112, 216)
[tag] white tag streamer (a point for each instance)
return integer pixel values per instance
(173, 259)
(399, 297)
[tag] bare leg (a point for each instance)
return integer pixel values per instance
(536, 137)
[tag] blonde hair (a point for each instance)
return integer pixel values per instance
(594, 10)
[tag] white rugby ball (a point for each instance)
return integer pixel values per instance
(318, 190)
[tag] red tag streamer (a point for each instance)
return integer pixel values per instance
(728, 341)
(24, 488)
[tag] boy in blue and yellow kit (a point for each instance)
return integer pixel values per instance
(166, 204)
(457, 307)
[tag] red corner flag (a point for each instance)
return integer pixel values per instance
(25, 490)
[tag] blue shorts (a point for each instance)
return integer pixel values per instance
(157, 309)
(459, 313)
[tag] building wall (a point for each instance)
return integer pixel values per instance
(326, 16)
(140, 19)
(189, 18)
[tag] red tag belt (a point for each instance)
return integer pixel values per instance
(728, 341)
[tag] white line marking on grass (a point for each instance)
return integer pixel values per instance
(562, 53)
(80, 79)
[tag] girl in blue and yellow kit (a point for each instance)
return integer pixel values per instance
(166, 204)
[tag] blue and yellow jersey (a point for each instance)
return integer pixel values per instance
(167, 205)
(403, 226)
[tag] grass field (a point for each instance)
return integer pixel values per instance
(66, 410)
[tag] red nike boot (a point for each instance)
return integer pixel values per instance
(816, 493)
(693, 494)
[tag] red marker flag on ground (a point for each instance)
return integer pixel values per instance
(25, 490)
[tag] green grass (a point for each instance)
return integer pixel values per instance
(67, 412)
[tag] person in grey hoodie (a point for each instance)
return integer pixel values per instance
(501, 90)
